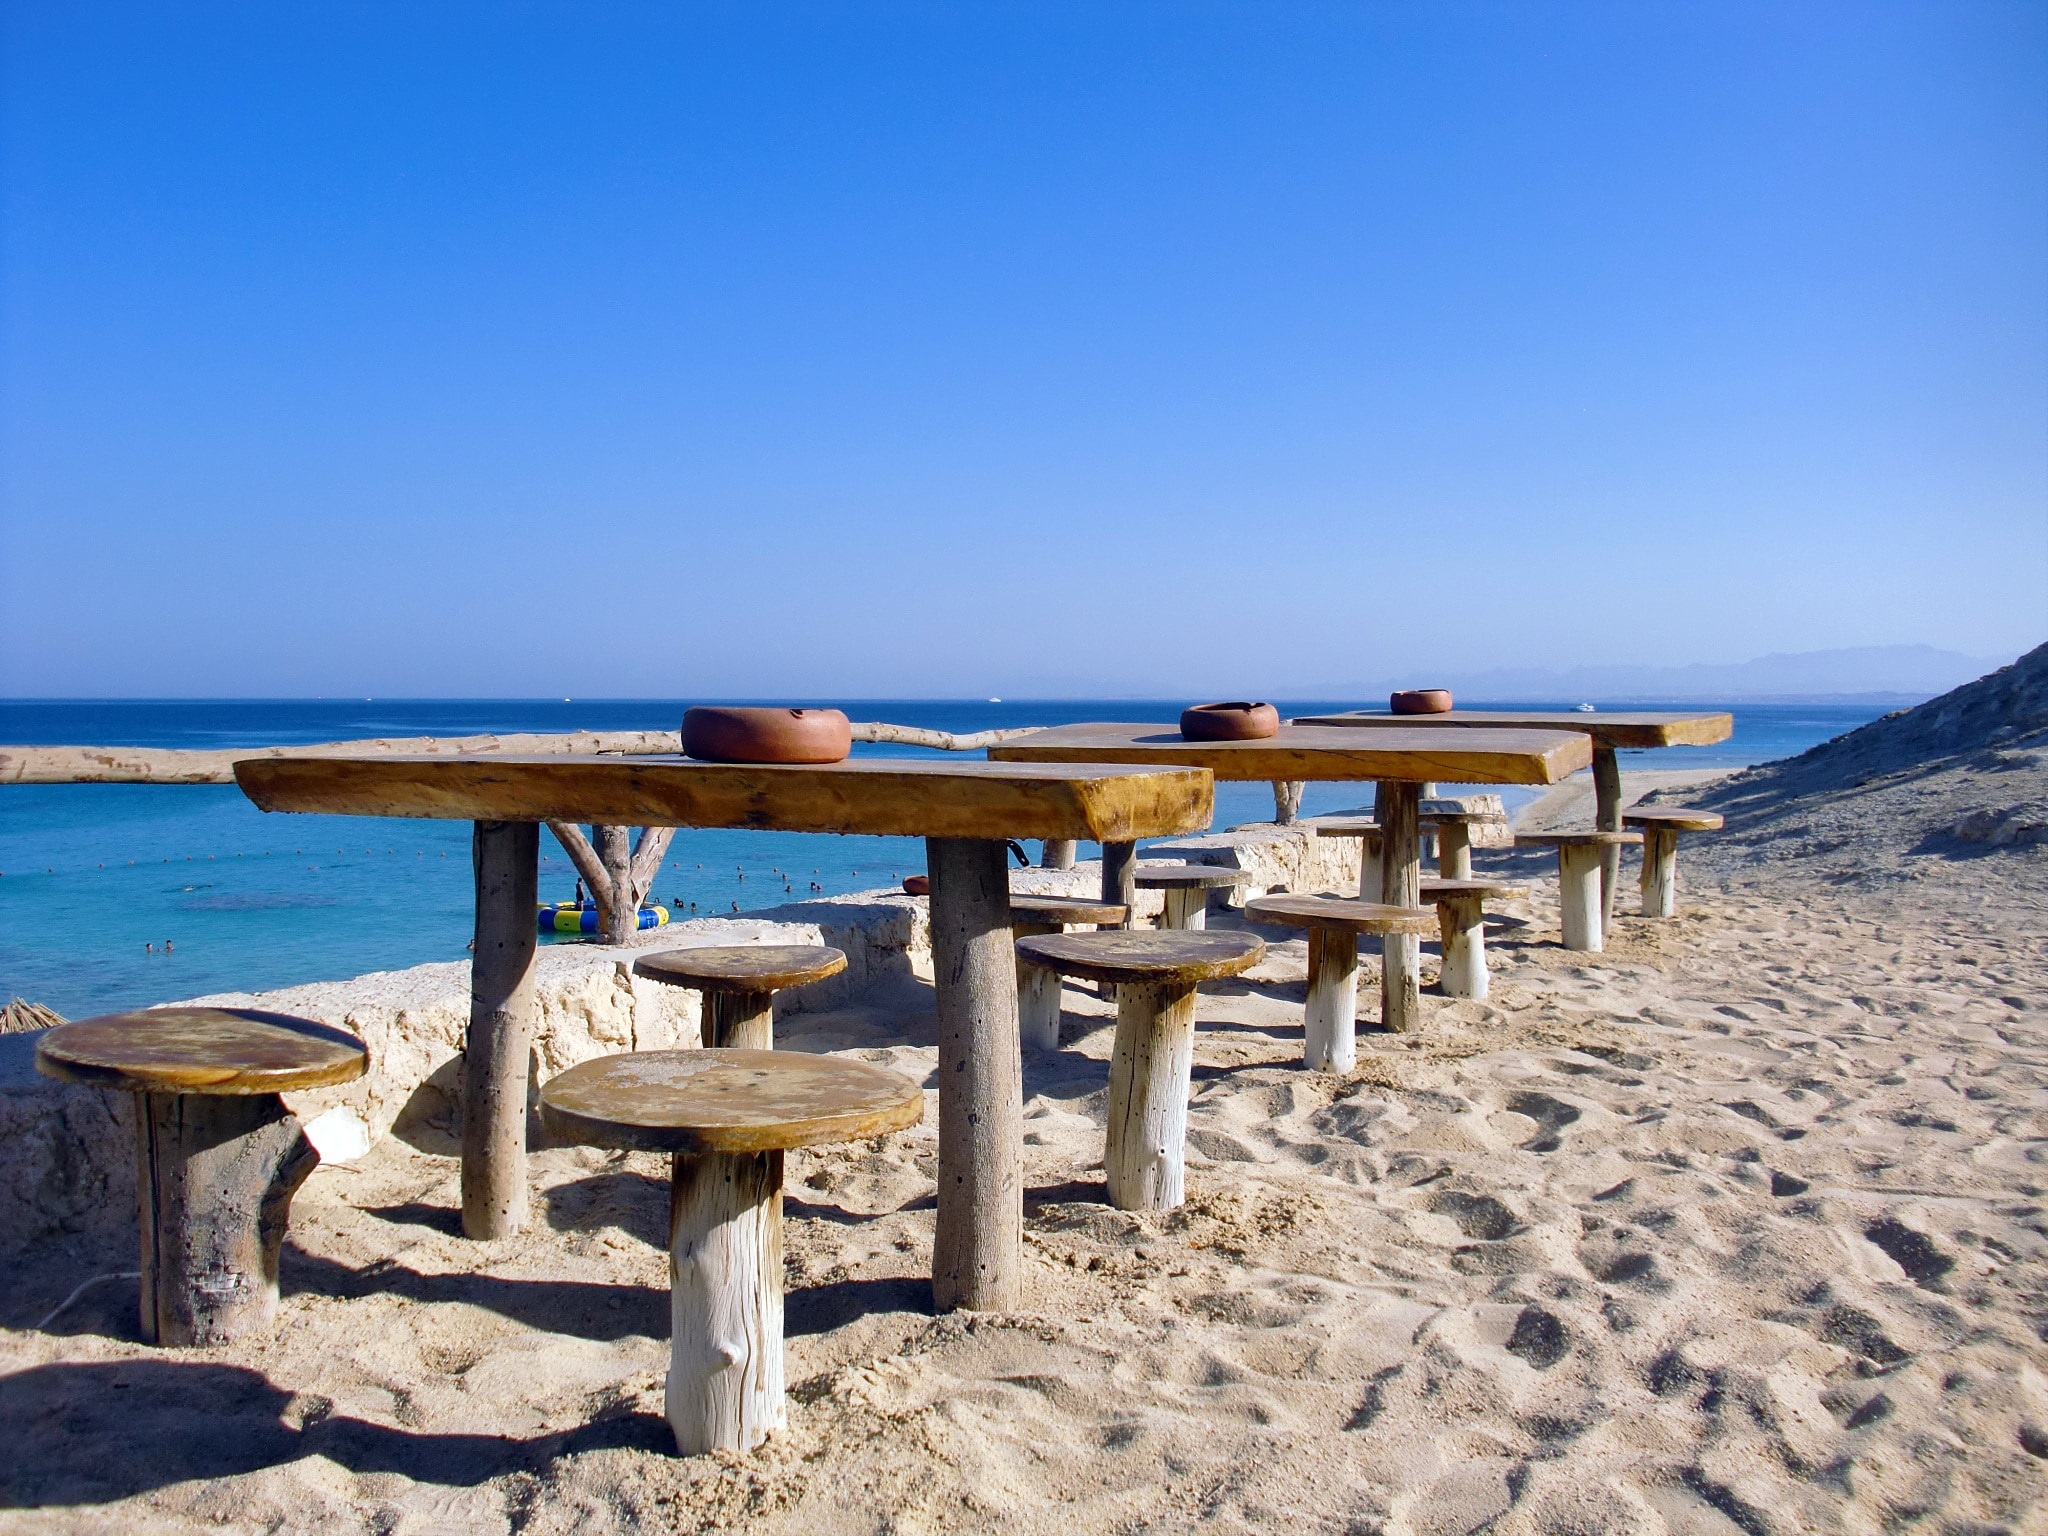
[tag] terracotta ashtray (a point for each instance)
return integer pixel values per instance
(742, 734)
(917, 885)
(1421, 701)
(1229, 722)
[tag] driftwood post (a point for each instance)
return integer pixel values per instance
(1395, 804)
(1607, 818)
(502, 1015)
(978, 1247)
(1287, 800)
(724, 1389)
(1058, 853)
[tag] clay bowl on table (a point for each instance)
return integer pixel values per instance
(1421, 701)
(1229, 722)
(724, 733)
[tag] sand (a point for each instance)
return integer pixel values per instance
(1737, 1227)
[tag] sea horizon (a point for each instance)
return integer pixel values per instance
(95, 878)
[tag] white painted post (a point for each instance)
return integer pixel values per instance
(1144, 1160)
(1579, 867)
(1330, 1022)
(1460, 921)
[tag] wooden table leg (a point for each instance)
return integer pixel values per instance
(1660, 871)
(1038, 995)
(1578, 896)
(1144, 1158)
(1460, 922)
(502, 1015)
(1607, 818)
(740, 1021)
(214, 1180)
(1058, 853)
(1287, 801)
(1454, 851)
(1369, 868)
(1330, 1022)
(725, 1301)
(1396, 805)
(1185, 907)
(978, 1248)
(1119, 885)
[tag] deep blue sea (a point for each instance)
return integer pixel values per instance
(91, 874)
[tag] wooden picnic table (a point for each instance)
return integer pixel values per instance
(1398, 762)
(966, 812)
(1609, 731)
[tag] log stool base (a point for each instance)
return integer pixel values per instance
(1038, 990)
(1329, 1040)
(1660, 826)
(1144, 1158)
(218, 1157)
(1460, 912)
(727, 1115)
(1581, 862)
(739, 983)
(1367, 831)
(1185, 890)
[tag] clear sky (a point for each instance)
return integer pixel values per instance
(878, 349)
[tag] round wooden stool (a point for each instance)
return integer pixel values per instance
(218, 1155)
(1367, 831)
(727, 1116)
(1453, 827)
(739, 983)
(1187, 888)
(1579, 857)
(1155, 973)
(1038, 990)
(1660, 826)
(1461, 914)
(1329, 1035)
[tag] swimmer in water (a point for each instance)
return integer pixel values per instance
(167, 946)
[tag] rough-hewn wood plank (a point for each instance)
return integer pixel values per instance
(1621, 728)
(172, 765)
(1320, 753)
(880, 796)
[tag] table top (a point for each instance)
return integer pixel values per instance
(201, 1050)
(1322, 753)
(1167, 957)
(882, 796)
(745, 968)
(1340, 912)
(1620, 728)
(726, 1101)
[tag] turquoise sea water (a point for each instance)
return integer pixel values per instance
(90, 874)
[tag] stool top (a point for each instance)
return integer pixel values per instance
(725, 1101)
(1573, 839)
(1340, 912)
(1065, 909)
(201, 1050)
(742, 967)
(1464, 817)
(1445, 890)
(1678, 817)
(1166, 957)
(1346, 826)
(1169, 877)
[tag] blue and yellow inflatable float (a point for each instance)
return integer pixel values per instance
(567, 917)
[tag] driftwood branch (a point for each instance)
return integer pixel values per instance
(647, 857)
(583, 856)
(945, 741)
(170, 765)
(163, 765)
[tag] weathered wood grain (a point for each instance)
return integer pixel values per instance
(201, 1050)
(879, 796)
(1320, 753)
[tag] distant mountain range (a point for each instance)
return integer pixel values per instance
(1881, 673)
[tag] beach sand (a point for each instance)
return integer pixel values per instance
(1738, 1227)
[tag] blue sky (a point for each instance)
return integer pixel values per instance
(916, 349)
